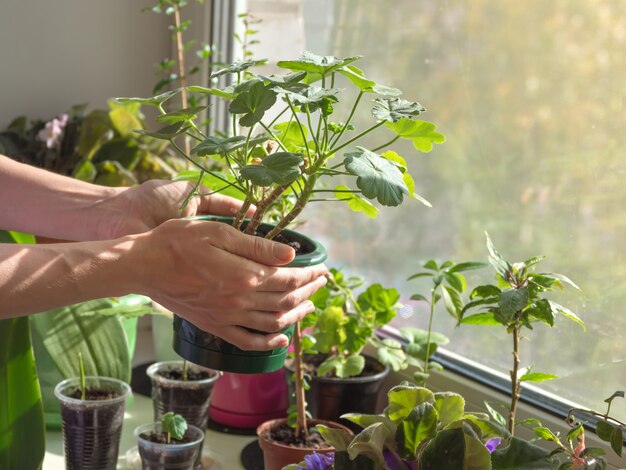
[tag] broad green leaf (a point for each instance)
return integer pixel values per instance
(567, 313)
(534, 260)
(227, 92)
(217, 145)
(394, 109)
(419, 336)
(85, 171)
(181, 115)
(356, 76)
(419, 297)
(277, 168)
(421, 133)
(291, 136)
(377, 177)
(285, 83)
(367, 420)
(403, 398)
(253, 104)
(522, 455)
(545, 434)
(604, 430)
(454, 449)
(450, 407)
(562, 278)
(537, 377)
(112, 173)
(456, 281)
(488, 428)
(419, 425)
(501, 266)
(124, 121)
(212, 182)
(356, 203)
(314, 98)
(174, 424)
(617, 394)
(486, 291)
(542, 311)
(512, 301)
(338, 438)
(329, 331)
(316, 64)
(390, 353)
(342, 366)
(496, 415)
(370, 443)
(167, 132)
(125, 151)
(617, 440)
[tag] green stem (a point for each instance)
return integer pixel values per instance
(241, 214)
(365, 132)
(430, 327)
(81, 369)
(297, 208)
(192, 192)
(282, 146)
(295, 115)
(277, 117)
(262, 208)
(356, 103)
(315, 138)
(184, 375)
(515, 383)
(301, 424)
(387, 144)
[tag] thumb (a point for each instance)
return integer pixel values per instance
(267, 252)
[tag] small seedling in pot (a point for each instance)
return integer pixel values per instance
(174, 426)
(81, 368)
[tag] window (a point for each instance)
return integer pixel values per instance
(530, 96)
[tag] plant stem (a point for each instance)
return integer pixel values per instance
(515, 383)
(269, 131)
(180, 50)
(365, 132)
(241, 214)
(81, 369)
(297, 208)
(356, 103)
(430, 328)
(386, 145)
(300, 127)
(301, 425)
(262, 208)
(185, 371)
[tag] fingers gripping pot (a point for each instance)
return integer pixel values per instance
(207, 350)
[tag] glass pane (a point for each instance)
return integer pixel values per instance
(531, 97)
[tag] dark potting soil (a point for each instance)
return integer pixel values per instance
(285, 434)
(161, 438)
(177, 374)
(313, 361)
(93, 393)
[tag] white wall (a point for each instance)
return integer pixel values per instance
(57, 53)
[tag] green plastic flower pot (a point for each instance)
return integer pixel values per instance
(208, 350)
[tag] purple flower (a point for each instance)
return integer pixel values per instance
(493, 443)
(317, 461)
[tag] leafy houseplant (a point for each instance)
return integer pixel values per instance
(92, 413)
(282, 162)
(516, 302)
(169, 443)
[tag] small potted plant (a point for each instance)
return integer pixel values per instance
(92, 413)
(281, 162)
(182, 388)
(169, 444)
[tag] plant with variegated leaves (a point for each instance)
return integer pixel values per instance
(516, 302)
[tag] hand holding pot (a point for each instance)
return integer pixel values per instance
(222, 280)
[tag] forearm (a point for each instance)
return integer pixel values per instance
(43, 203)
(36, 278)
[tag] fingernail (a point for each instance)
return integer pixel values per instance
(283, 252)
(279, 342)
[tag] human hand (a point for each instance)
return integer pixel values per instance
(222, 280)
(141, 208)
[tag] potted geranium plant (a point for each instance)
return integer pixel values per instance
(281, 162)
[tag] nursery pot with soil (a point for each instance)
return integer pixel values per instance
(92, 427)
(331, 397)
(208, 350)
(189, 398)
(157, 454)
(276, 439)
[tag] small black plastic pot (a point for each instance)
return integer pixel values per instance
(208, 350)
(174, 456)
(330, 397)
(92, 428)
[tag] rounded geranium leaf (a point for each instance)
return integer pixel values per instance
(394, 109)
(216, 145)
(313, 63)
(277, 168)
(253, 104)
(356, 76)
(237, 67)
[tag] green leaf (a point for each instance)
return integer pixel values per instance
(488, 428)
(125, 151)
(394, 109)
(450, 407)
(567, 313)
(421, 133)
(112, 173)
(604, 430)
(377, 177)
(329, 331)
(167, 132)
(512, 301)
(456, 281)
(416, 275)
(342, 366)
(22, 432)
(226, 92)
(390, 353)
(370, 443)
(419, 336)
(403, 398)
(545, 434)
(124, 121)
(291, 136)
(182, 115)
(467, 266)
(338, 438)
(174, 424)
(153, 101)
(314, 98)
(367, 420)
(455, 449)
(522, 455)
(419, 425)
(537, 377)
(356, 203)
(542, 311)
(212, 182)
(501, 266)
(419, 297)
(356, 76)
(216, 145)
(497, 416)
(277, 168)
(534, 260)
(485, 318)
(237, 67)
(486, 291)
(617, 440)
(253, 104)
(562, 278)
(85, 171)
(452, 301)
(316, 64)
(617, 394)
